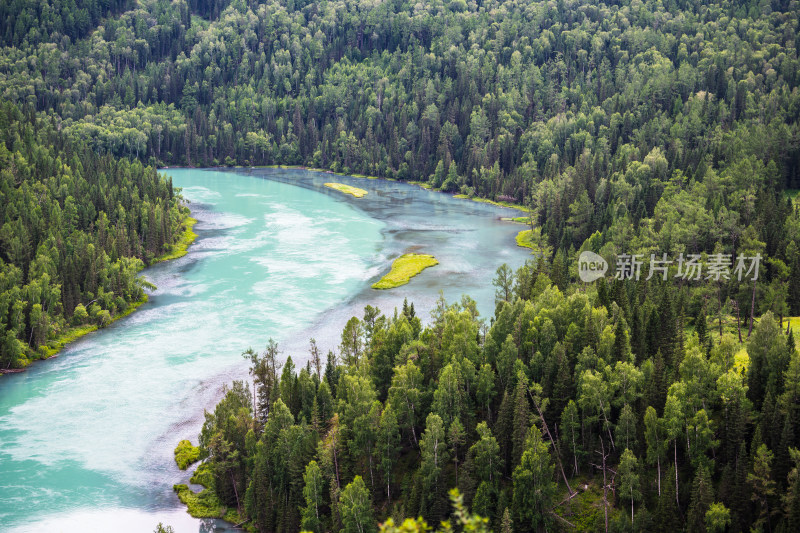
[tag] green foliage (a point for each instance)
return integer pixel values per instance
(534, 485)
(313, 491)
(204, 504)
(403, 269)
(356, 508)
(180, 247)
(718, 518)
(405, 451)
(76, 228)
(186, 454)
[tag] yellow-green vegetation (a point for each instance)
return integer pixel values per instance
(69, 335)
(203, 504)
(347, 189)
(509, 205)
(741, 361)
(518, 220)
(404, 268)
(186, 454)
(202, 476)
(72, 334)
(524, 238)
(179, 248)
(422, 184)
(501, 204)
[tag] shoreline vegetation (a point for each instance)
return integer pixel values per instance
(347, 189)
(524, 238)
(403, 269)
(203, 504)
(54, 346)
(180, 248)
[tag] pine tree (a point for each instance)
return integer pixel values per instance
(504, 428)
(702, 498)
(507, 524)
(522, 420)
(455, 438)
(763, 486)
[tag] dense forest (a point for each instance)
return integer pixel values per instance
(590, 409)
(597, 116)
(75, 228)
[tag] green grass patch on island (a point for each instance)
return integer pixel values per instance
(186, 454)
(347, 189)
(404, 268)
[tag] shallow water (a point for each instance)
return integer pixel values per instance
(86, 439)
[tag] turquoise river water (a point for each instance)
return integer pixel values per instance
(87, 438)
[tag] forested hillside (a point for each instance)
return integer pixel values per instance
(564, 403)
(75, 228)
(536, 102)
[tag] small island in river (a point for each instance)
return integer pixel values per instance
(404, 268)
(347, 189)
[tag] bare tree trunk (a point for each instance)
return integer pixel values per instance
(719, 302)
(336, 465)
(658, 462)
(677, 497)
(752, 309)
(235, 492)
(605, 484)
(738, 320)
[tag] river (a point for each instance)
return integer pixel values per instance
(87, 438)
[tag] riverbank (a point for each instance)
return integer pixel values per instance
(54, 346)
(403, 269)
(180, 248)
(203, 504)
